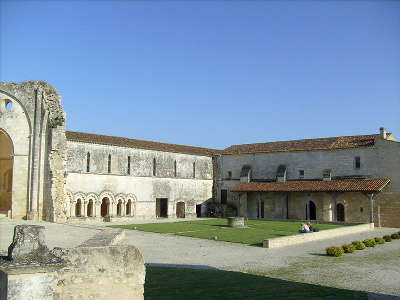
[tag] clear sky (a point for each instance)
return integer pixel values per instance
(211, 73)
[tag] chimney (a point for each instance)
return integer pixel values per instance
(383, 132)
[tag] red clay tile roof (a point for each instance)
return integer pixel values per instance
(91, 138)
(348, 185)
(332, 143)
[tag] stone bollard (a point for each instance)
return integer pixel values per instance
(28, 243)
(236, 222)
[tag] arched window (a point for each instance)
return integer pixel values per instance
(194, 170)
(129, 165)
(175, 174)
(119, 208)
(154, 167)
(340, 212)
(129, 208)
(90, 208)
(88, 162)
(78, 208)
(109, 164)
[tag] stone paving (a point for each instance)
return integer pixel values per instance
(374, 269)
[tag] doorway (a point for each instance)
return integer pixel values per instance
(180, 209)
(313, 210)
(340, 212)
(6, 173)
(198, 210)
(105, 207)
(162, 207)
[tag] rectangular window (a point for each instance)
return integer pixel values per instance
(357, 162)
(224, 196)
(109, 164)
(175, 173)
(154, 167)
(301, 174)
(229, 174)
(88, 162)
(129, 165)
(194, 170)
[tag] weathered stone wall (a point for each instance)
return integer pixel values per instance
(33, 120)
(103, 267)
(140, 185)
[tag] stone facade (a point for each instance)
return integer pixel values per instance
(48, 173)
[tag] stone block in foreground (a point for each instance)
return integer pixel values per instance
(102, 268)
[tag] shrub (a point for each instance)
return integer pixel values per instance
(334, 251)
(379, 241)
(395, 236)
(370, 242)
(387, 238)
(359, 245)
(350, 248)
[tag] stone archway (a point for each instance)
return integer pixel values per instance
(78, 208)
(340, 212)
(313, 210)
(6, 173)
(105, 207)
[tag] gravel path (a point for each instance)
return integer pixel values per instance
(375, 270)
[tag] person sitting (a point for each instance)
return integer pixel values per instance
(310, 226)
(304, 228)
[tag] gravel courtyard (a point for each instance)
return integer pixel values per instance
(375, 270)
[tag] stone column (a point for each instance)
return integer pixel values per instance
(97, 208)
(123, 209)
(35, 157)
(84, 206)
(113, 208)
(371, 207)
(72, 208)
(243, 204)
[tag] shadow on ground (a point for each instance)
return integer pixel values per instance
(182, 283)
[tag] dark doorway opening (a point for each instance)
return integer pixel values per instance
(340, 212)
(198, 210)
(262, 209)
(78, 208)
(313, 210)
(162, 207)
(180, 209)
(105, 204)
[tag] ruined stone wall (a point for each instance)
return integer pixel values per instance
(36, 126)
(104, 267)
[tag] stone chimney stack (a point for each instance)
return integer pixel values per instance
(383, 132)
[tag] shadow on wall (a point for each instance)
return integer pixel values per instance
(183, 283)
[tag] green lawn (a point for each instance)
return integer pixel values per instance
(257, 230)
(182, 284)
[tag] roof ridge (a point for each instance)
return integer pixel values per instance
(147, 141)
(311, 139)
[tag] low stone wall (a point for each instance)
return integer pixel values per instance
(103, 267)
(315, 236)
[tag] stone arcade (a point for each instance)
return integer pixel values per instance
(48, 173)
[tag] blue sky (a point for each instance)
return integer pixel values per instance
(211, 73)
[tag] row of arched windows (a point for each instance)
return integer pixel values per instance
(154, 167)
(123, 209)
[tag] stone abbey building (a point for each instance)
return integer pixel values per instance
(48, 173)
